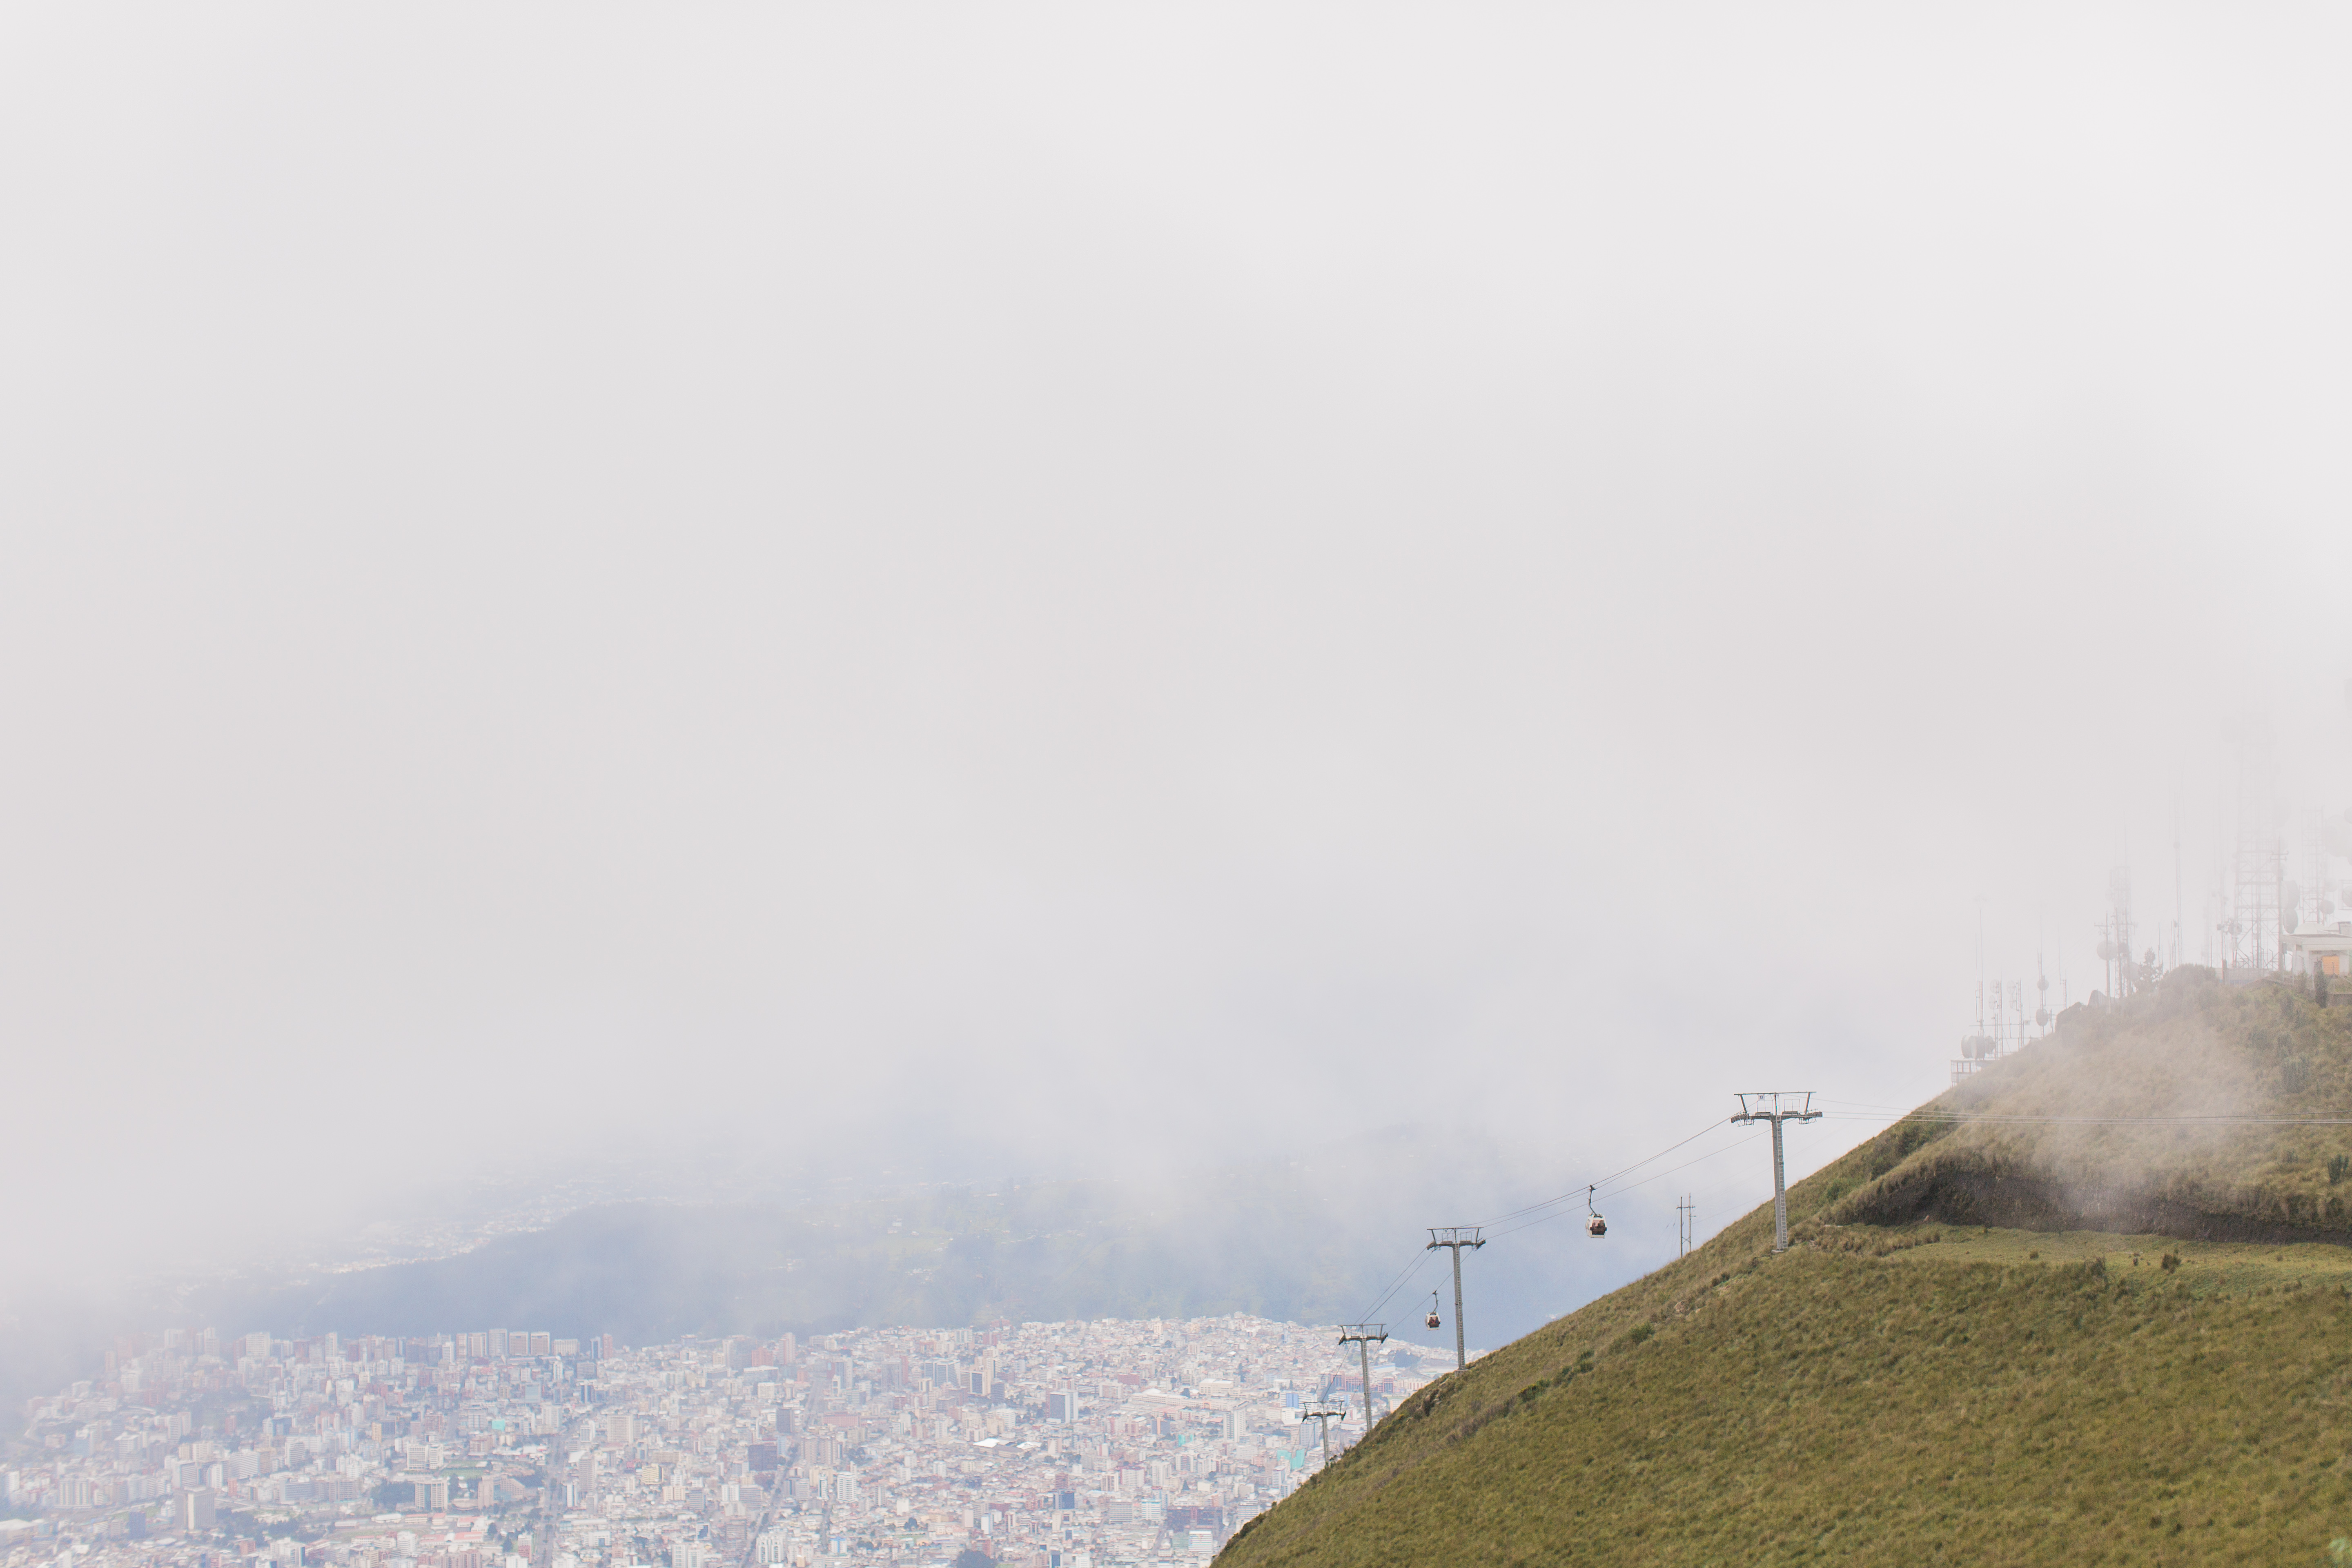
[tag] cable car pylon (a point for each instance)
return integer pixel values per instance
(1322, 1413)
(1361, 1335)
(1455, 1237)
(1767, 1107)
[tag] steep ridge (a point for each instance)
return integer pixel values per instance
(1960, 1359)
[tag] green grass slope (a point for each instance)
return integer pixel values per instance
(1953, 1364)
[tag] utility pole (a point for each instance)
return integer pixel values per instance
(1683, 1212)
(1362, 1336)
(1768, 1107)
(1323, 1415)
(1456, 1238)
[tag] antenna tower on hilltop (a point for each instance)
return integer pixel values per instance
(2253, 936)
(2179, 898)
(2116, 935)
(1980, 1047)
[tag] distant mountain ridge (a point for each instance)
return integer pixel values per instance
(1307, 1239)
(1304, 1241)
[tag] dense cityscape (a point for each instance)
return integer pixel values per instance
(1079, 1445)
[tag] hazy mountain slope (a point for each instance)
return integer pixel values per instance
(1309, 1238)
(2193, 1048)
(1310, 1234)
(1921, 1392)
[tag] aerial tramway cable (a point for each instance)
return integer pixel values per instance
(1601, 1188)
(1657, 1176)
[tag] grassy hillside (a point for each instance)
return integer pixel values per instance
(1951, 1364)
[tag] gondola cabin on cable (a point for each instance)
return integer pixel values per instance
(1594, 1226)
(1433, 1320)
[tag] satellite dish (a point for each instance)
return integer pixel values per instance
(2326, 909)
(2107, 950)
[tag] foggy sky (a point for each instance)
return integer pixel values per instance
(1108, 584)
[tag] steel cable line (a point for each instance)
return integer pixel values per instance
(1594, 1186)
(1606, 1191)
(1420, 1261)
(1422, 1257)
(1662, 1176)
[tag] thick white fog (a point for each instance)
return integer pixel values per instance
(1098, 588)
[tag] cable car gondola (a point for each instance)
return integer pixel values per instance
(1594, 1226)
(1433, 1319)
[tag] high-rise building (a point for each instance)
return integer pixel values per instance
(194, 1511)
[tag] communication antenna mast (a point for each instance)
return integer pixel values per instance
(1980, 1017)
(1684, 1214)
(2115, 934)
(2254, 939)
(1777, 1106)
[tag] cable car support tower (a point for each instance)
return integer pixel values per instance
(1323, 1414)
(1774, 1106)
(1362, 1336)
(1455, 1237)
